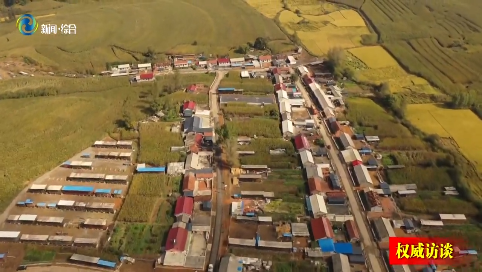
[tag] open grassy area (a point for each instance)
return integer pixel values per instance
(427, 202)
(461, 125)
(246, 110)
(439, 41)
(262, 146)
(260, 127)
(426, 178)
(105, 26)
(138, 239)
(253, 86)
(471, 234)
(33, 255)
(370, 118)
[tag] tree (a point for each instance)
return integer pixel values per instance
(241, 50)
(194, 43)
(127, 120)
(232, 153)
(260, 43)
(336, 57)
(294, 77)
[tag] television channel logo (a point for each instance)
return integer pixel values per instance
(26, 24)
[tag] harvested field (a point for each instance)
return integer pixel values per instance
(461, 125)
(245, 230)
(90, 50)
(250, 86)
(155, 142)
(289, 20)
(256, 126)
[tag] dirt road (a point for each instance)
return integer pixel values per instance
(62, 269)
(213, 97)
(368, 245)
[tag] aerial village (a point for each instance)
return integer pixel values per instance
(325, 185)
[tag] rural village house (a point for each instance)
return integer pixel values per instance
(181, 64)
(224, 62)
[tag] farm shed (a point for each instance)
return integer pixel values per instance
(82, 259)
(52, 221)
(275, 245)
(257, 194)
(125, 156)
(121, 178)
(86, 177)
(34, 238)
(61, 240)
(314, 185)
(346, 141)
(249, 178)
(143, 168)
(312, 171)
(406, 193)
(340, 263)
(357, 259)
(79, 164)
(336, 198)
(86, 242)
(300, 230)
(255, 168)
(175, 168)
(321, 228)
(251, 100)
(245, 74)
(184, 208)
(230, 263)
(306, 158)
(453, 218)
(101, 207)
(106, 264)
(11, 236)
(37, 188)
(124, 144)
(78, 190)
(372, 139)
(301, 142)
(95, 223)
(367, 151)
(103, 192)
(13, 218)
(362, 176)
(318, 206)
(287, 128)
(352, 231)
(284, 107)
(245, 153)
(326, 245)
(27, 218)
(242, 242)
(189, 185)
(431, 223)
(371, 201)
(188, 108)
(351, 155)
(192, 162)
(105, 144)
(383, 229)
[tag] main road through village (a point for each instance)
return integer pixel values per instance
(369, 246)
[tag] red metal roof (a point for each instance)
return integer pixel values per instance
(198, 139)
(146, 76)
(321, 228)
(184, 205)
(223, 60)
(179, 62)
(189, 183)
(189, 105)
(208, 134)
(192, 88)
(335, 194)
(352, 229)
(205, 175)
(307, 80)
(262, 58)
(301, 142)
(213, 61)
(355, 163)
(315, 184)
(176, 239)
(279, 86)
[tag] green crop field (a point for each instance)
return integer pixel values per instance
(254, 86)
(138, 239)
(156, 140)
(246, 110)
(440, 41)
(262, 146)
(260, 127)
(105, 26)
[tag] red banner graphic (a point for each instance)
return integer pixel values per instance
(425, 250)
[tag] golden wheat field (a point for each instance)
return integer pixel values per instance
(269, 8)
(462, 125)
(312, 7)
(374, 56)
(289, 20)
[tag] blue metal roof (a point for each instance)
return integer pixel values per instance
(103, 191)
(41, 204)
(344, 248)
(52, 205)
(226, 89)
(287, 235)
(66, 163)
(117, 192)
(106, 263)
(78, 188)
(326, 245)
(151, 170)
(308, 204)
(335, 181)
(2, 256)
(28, 201)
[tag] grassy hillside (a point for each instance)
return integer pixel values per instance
(438, 40)
(185, 26)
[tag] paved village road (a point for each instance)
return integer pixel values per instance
(369, 245)
(213, 105)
